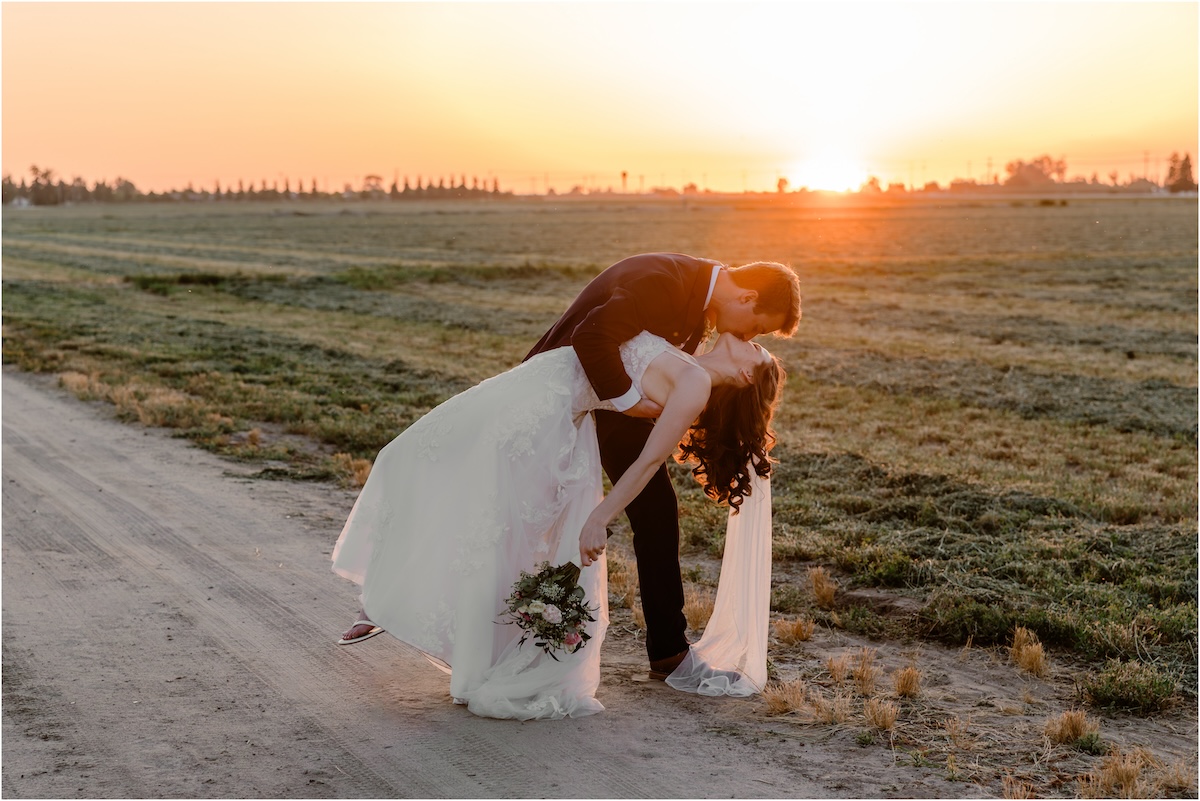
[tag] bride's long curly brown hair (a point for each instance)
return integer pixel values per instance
(734, 432)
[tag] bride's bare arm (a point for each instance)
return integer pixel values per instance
(689, 392)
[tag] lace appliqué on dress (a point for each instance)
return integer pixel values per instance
(435, 633)
(486, 528)
(429, 437)
(517, 436)
(637, 353)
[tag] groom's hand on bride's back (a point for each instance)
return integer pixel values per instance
(645, 408)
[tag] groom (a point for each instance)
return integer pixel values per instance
(680, 298)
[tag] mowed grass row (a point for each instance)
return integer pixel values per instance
(992, 410)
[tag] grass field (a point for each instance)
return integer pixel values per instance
(991, 409)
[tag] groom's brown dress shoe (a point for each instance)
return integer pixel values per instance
(661, 668)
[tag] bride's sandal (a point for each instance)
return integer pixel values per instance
(351, 640)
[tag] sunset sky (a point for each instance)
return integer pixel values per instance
(730, 96)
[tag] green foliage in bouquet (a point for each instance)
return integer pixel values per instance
(550, 606)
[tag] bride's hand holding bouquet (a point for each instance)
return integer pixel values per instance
(592, 539)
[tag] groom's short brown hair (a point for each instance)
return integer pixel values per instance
(778, 290)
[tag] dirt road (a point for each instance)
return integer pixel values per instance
(168, 629)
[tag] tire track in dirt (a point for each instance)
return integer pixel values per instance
(173, 569)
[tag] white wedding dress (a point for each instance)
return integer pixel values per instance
(497, 480)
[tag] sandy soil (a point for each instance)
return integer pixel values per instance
(169, 627)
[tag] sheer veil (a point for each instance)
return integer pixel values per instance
(731, 656)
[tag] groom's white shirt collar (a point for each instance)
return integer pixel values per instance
(631, 396)
(712, 284)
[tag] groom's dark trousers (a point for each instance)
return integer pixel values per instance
(663, 293)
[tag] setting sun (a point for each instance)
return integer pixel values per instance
(833, 173)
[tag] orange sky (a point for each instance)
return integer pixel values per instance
(729, 96)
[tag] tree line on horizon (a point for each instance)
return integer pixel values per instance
(1045, 173)
(46, 189)
(1037, 175)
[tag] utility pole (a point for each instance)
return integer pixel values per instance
(987, 179)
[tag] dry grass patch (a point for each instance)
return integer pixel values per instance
(149, 404)
(1178, 777)
(908, 682)
(622, 580)
(865, 672)
(639, 617)
(790, 632)
(823, 586)
(785, 697)
(697, 606)
(1033, 661)
(351, 471)
(83, 385)
(1120, 775)
(836, 709)
(838, 668)
(881, 714)
(1028, 653)
(1070, 727)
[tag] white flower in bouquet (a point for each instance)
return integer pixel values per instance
(552, 614)
(536, 607)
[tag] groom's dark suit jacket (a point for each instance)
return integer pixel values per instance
(662, 293)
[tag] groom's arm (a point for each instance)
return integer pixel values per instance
(641, 305)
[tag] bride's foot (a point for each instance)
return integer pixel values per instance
(358, 630)
(363, 629)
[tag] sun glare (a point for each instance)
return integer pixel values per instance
(832, 173)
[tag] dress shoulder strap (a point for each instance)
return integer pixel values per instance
(680, 354)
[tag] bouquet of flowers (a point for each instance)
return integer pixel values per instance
(549, 605)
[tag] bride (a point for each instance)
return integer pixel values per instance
(507, 475)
